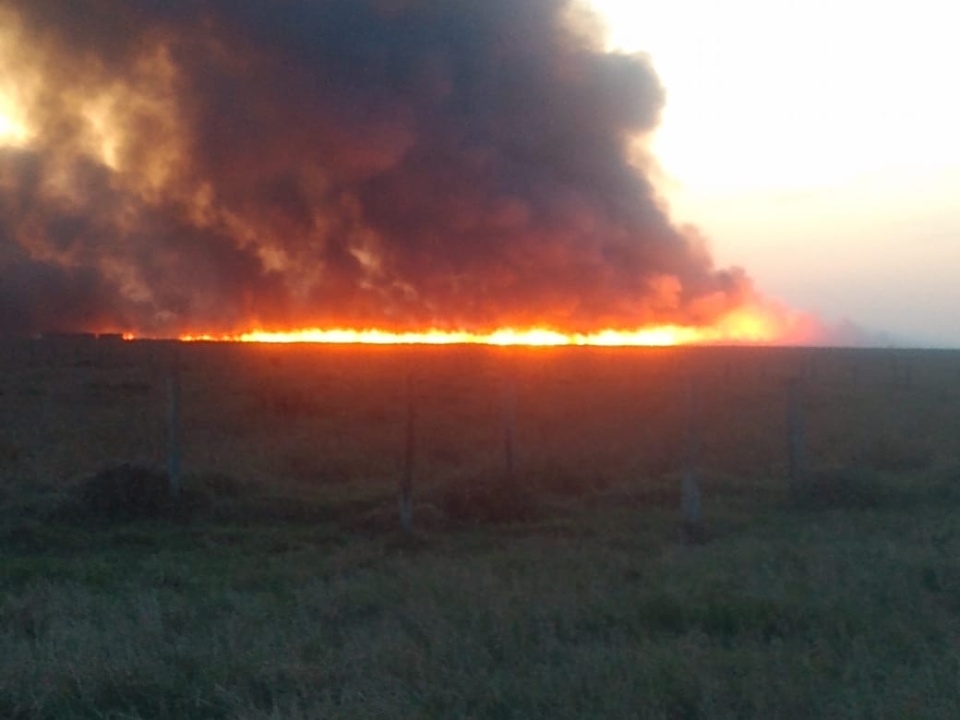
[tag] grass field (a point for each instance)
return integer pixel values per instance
(281, 586)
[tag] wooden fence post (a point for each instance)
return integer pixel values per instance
(907, 373)
(509, 426)
(854, 371)
(174, 449)
(406, 479)
(796, 435)
(691, 506)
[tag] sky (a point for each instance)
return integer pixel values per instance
(815, 143)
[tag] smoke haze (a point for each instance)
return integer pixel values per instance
(217, 165)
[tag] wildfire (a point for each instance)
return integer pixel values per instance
(747, 326)
(162, 179)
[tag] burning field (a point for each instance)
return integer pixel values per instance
(359, 169)
(214, 215)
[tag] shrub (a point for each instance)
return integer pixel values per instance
(132, 492)
(124, 493)
(564, 481)
(489, 501)
(10, 453)
(845, 489)
(218, 485)
(896, 454)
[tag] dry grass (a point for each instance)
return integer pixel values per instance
(287, 592)
(586, 419)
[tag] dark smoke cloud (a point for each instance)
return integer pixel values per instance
(218, 164)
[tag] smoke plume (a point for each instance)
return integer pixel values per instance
(223, 164)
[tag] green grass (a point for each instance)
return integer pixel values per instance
(286, 591)
(605, 615)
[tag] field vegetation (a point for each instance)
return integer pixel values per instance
(280, 585)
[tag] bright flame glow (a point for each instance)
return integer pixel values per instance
(13, 129)
(539, 337)
(14, 88)
(748, 326)
(11, 132)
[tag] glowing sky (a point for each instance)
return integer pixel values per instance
(816, 143)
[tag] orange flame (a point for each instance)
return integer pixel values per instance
(756, 325)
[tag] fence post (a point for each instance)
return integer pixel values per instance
(174, 450)
(907, 374)
(406, 479)
(509, 426)
(796, 432)
(691, 506)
